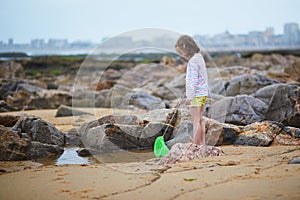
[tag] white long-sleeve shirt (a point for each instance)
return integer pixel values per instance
(196, 77)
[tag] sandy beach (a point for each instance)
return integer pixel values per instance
(242, 173)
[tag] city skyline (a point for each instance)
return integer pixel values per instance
(92, 20)
(291, 36)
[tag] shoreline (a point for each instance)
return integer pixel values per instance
(244, 172)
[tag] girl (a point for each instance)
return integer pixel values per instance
(196, 84)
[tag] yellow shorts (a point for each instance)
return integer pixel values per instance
(198, 101)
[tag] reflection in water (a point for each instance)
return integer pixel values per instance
(70, 157)
(125, 156)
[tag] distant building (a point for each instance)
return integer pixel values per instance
(120, 41)
(37, 43)
(291, 34)
(255, 38)
(223, 39)
(268, 35)
(57, 43)
(81, 44)
(10, 42)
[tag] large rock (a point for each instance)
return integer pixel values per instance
(293, 70)
(143, 74)
(220, 133)
(183, 133)
(127, 132)
(241, 110)
(108, 79)
(174, 89)
(18, 145)
(50, 99)
(39, 130)
(43, 150)
(142, 100)
(247, 84)
(259, 134)
(4, 107)
(11, 69)
(12, 146)
(28, 96)
(283, 102)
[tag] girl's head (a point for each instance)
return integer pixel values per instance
(186, 46)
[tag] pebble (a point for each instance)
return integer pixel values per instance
(295, 160)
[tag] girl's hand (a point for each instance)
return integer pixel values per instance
(187, 102)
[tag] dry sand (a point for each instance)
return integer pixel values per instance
(243, 173)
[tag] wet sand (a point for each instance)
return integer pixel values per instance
(243, 173)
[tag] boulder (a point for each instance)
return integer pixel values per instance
(39, 130)
(232, 71)
(127, 132)
(220, 133)
(50, 99)
(130, 137)
(283, 102)
(174, 89)
(288, 136)
(240, 110)
(44, 150)
(4, 107)
(143, 74)
(183, 133)
(12, 146)
(11, 69)
(28, 96)
(247, 84)
(87, 98)
(259, 134)
(15, 145)
(142, 100)
(7, 88)
(108, 79)
(293, 70)
(72, 138)
(64, 111)
(295, 160)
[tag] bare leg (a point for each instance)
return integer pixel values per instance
(198, 125)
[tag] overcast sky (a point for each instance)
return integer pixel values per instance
(92, 20)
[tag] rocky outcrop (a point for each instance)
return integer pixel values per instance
(12, 146)
(247, 84)
(127, 132)
(131, 132)
(283, 102)
(259, 134)
(20, 95)
(241, 110)
(30, 138)
(39, 130)
(293, 70)
(11, 69)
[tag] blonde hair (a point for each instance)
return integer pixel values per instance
(187, 44)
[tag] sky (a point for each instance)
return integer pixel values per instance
(92, 20)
